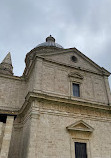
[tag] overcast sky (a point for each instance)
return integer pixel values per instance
(84, 24)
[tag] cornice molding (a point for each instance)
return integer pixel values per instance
(31, 96)
(12, 77)
(40, 96)
(27, 72)
(75, 67)
(9, 112)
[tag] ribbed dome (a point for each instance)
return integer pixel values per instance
(50, 42)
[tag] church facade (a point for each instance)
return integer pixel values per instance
(59, 108)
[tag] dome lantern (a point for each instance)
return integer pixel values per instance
(50, 39)
(50, 42)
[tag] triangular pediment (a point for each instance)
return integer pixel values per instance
(82, 62)
(76, 75)
(80, 126)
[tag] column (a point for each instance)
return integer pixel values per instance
(7, 137)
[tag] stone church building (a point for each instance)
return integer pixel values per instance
(59, 108)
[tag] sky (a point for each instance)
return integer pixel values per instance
(84, 24)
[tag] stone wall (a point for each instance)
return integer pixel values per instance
(12, 93)
(50, 78)
(46, 136)
(54, 140)
(54, 79)
(41, 131)
(20, 137)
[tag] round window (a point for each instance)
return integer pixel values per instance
(74, 59)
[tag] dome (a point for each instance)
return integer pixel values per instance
(50, 42)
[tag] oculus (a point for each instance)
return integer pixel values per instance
(74, 59)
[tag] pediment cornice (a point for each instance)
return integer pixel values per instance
(80, 126)
(70, 50)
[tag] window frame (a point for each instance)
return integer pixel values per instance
(79, 140)
(76, 78)
(73, 83)
(71, 89)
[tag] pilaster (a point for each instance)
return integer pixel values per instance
(38, 75)
(107, 89)
(7, 137)
(34, 116)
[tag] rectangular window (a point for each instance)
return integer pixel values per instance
(80, 150)
(76, 90)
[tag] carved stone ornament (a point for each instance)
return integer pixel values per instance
(80, 126)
